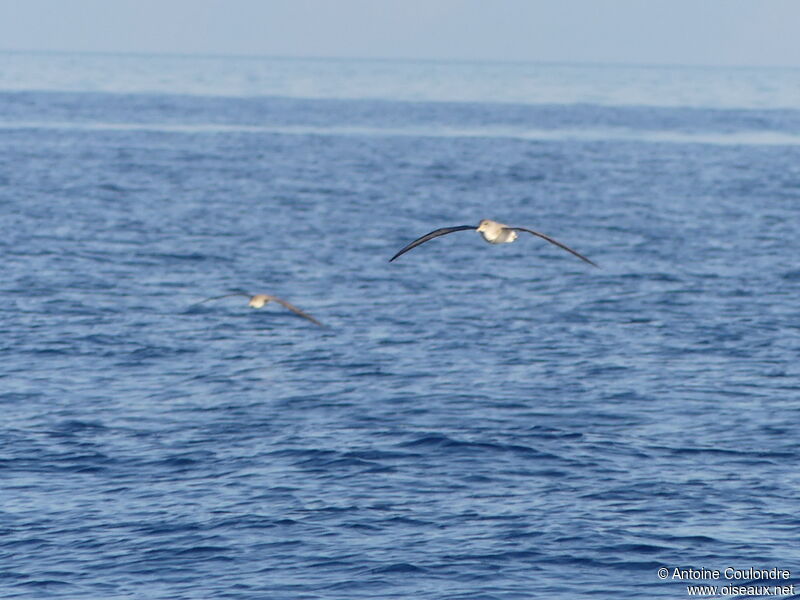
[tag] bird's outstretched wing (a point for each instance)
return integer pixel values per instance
(294, 309)
(430, 236)
(555, 242)
(245, 294)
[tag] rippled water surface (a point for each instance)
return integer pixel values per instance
(474, 421)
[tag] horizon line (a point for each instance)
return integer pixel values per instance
(395, 59)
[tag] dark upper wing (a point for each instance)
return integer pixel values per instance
(430, 236)
(556, 242)
(245, 294)
(295, 310)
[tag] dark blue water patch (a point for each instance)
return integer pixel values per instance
(445, 444)
(793, 275)
(398, 568)
(48, 582)
(732, 452)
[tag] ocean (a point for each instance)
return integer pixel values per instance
(473, 421)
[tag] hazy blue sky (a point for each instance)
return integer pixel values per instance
(726, 32)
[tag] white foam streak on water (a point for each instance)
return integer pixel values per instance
(523, 83)
(740, 138)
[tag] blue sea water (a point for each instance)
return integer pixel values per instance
(475, 421)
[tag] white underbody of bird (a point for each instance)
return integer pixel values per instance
(258, 301)
(496, 233)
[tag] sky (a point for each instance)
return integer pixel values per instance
(675, 32)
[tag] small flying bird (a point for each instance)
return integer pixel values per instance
(260, 300)
(494, 233)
